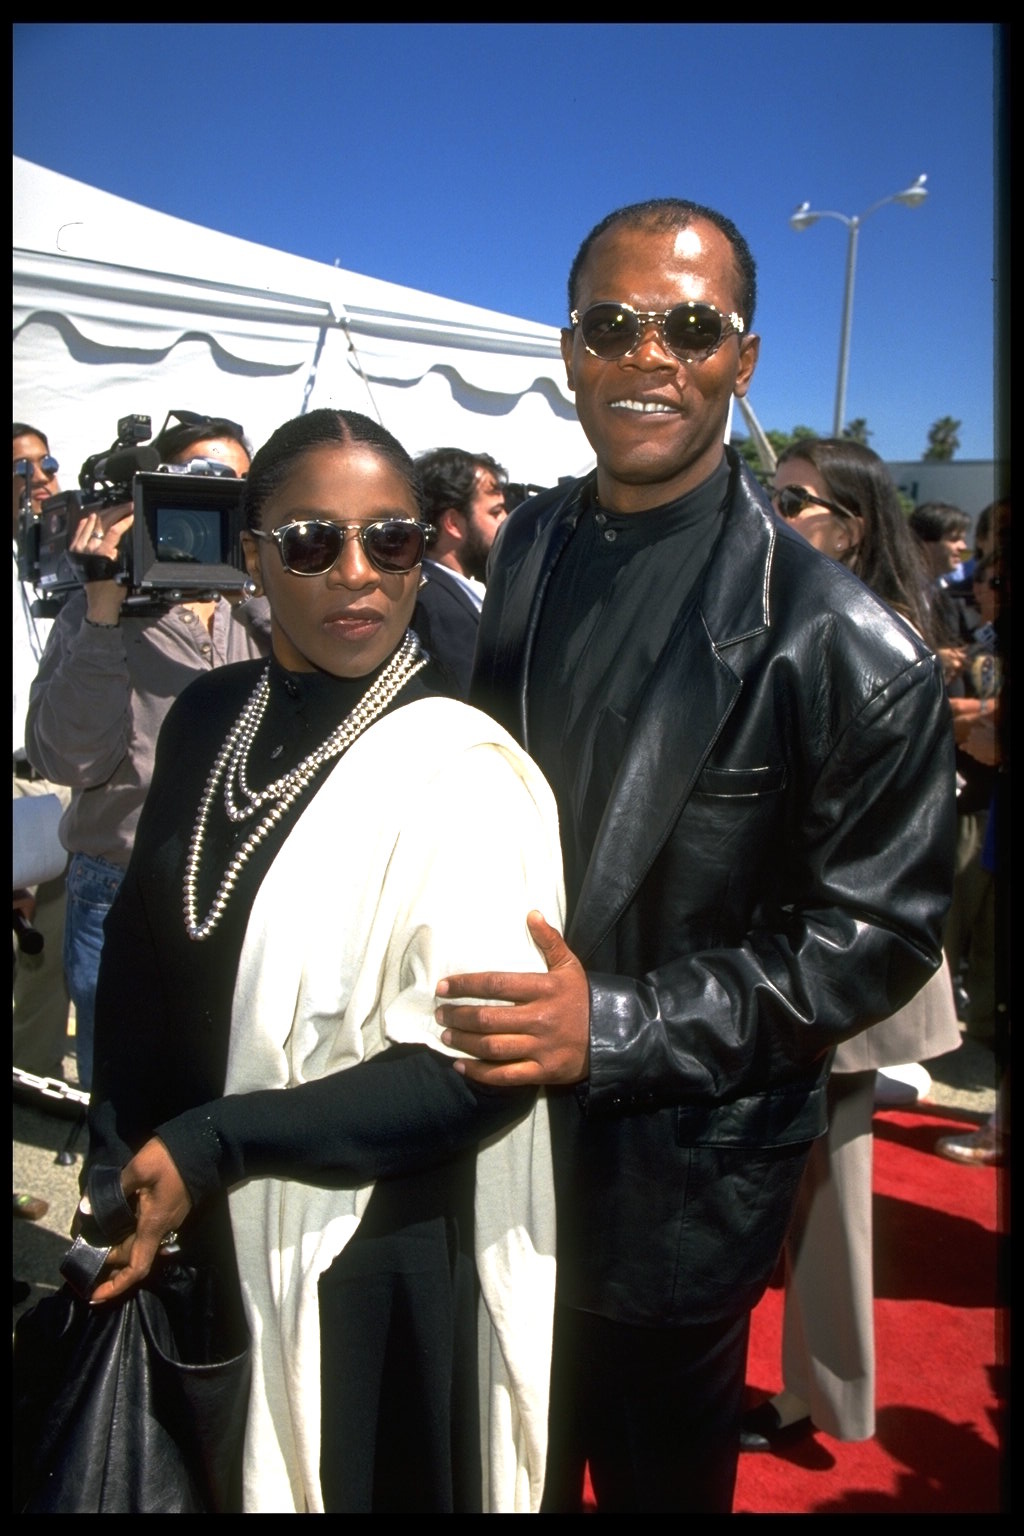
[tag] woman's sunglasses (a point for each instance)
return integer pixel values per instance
(195, 419)
(691, 332)
(393, 545)
(791, 500)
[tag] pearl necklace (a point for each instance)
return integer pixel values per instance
(232, 764)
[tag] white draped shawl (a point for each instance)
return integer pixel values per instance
(419, 857)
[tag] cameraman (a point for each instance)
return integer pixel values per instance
(40, 993)
(106, 681)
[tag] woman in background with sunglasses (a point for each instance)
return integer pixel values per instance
(266, 1017)
(839, 496)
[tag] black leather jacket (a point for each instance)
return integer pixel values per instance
(770, 877)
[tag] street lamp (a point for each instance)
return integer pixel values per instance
(803, 218)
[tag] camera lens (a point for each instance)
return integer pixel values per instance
(188, 534)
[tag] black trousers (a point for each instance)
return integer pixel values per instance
(400, 1421)
(654, 1411)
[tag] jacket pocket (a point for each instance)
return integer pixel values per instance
(779, 1119)
(747, 782)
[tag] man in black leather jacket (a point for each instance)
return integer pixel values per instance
(753, 766)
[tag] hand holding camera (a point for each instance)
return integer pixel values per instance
(95, 543)
(185, 521)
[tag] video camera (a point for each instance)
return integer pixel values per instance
(184, 541)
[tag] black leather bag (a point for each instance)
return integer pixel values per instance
(136, 1406)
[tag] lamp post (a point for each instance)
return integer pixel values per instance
(803, 218)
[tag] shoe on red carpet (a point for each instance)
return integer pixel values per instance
(762, 1429)
(901, 1085)
(985, 1148)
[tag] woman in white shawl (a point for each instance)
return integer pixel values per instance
(266, 1043)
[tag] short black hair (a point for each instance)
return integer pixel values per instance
(662, 215)
(22, 429)
(171, 441)
(448, 479)
(935, 520)
(275, 460)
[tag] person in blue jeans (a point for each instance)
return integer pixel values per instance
(105, 682)
(92, 884)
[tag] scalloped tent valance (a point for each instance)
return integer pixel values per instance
(119, 310)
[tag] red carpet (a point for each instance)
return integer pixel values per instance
(941, 1343)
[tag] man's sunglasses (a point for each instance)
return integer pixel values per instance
(791, 500)
(47, 465)
(393, 545)
(691, 332)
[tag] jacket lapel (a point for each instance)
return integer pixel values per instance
(525, 599)
(690, 695)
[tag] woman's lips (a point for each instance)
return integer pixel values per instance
(354, 623)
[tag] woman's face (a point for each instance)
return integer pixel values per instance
(348, 620)
(227, 449)
(835, 536)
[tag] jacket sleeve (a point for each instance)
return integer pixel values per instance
(78, 726)
(447, 627)
(851, 932)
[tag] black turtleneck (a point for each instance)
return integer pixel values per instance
(611, 603)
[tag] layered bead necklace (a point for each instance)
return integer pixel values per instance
(231, 768)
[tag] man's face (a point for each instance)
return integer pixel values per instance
(951, 552)
(486, 514)
(43, 483)
(657, 424)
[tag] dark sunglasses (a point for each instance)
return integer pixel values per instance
(47, 464)
(791, 500)
(312, 548)
(691, 332)
(194, 419)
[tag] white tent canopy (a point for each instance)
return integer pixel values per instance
(120, 310)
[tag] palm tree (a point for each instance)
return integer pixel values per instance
(858, 430)
(942, 439)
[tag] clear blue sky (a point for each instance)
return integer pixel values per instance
(471, 159)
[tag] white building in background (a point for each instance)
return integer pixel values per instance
(969, 484)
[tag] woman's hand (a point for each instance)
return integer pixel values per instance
(982, 743)
(968, 712)
(953, 659)
(161, 1201)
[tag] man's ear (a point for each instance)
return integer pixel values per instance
(750, 349)
(567, 358)
(450, 523)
